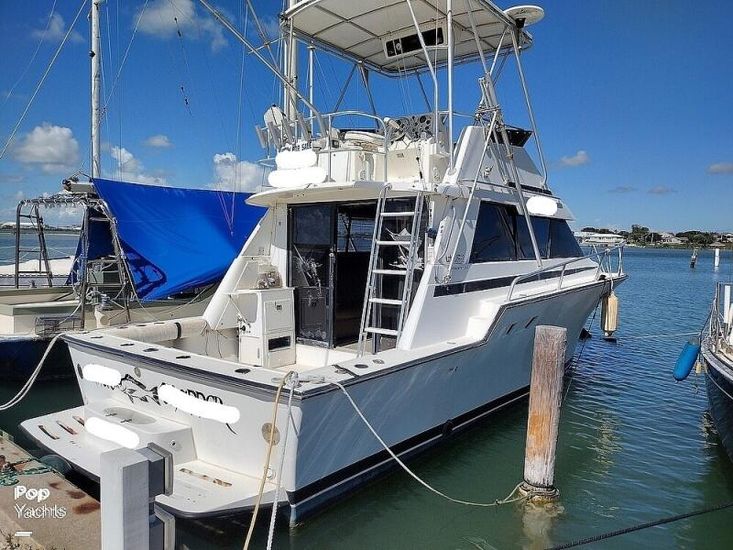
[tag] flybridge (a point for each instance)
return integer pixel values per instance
(383, 36)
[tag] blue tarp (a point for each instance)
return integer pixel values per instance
(176, 239)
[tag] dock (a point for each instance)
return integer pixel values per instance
(39, 508)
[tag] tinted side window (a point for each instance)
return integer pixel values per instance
(562, 241)
(312, 225)
(541, 228)
(494, 239)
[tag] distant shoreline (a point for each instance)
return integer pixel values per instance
(54, 230)
(684, 246)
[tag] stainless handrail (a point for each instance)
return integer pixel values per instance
(604, 254)
(718, 323)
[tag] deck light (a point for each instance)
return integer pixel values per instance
(101, 374)
(292, 160)
(541, 206)
(198, 407)
(112, 432)
(297, 178)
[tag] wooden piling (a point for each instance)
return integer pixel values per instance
(545, 396)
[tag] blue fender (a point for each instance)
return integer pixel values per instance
(686, 360)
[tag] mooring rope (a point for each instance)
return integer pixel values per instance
(29, 383)
(641, 526)
(266, 467)
(667, 335)
(506, 500)
(271, 531)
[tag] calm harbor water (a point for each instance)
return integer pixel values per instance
(634, 446)
(60, 245)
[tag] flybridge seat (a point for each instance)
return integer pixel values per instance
(367, 139)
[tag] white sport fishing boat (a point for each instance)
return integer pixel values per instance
(396, 279)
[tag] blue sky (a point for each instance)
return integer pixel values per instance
(633, 102)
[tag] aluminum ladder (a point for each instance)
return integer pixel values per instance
(371, 319)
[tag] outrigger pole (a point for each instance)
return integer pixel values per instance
(287, 83)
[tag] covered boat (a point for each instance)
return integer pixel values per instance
(144, 253)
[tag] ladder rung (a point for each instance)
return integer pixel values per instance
(385, 301)
(382, 331)
(393, 243)
(399, 272)
(397, 214)
(33, 272)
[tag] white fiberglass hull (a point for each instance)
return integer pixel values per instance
(329, 450)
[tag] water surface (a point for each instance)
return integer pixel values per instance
(634, 446)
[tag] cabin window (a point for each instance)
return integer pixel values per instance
(502, 235)
(541, 228)
(563, 243)
(494, 237)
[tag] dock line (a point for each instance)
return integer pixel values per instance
(270, 445)
(641, 526)
(506, 500)
(29, 383)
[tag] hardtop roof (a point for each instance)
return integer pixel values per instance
(381, 33)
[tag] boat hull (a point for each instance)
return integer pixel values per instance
(412, 405)
(20, 355)
(719, 382)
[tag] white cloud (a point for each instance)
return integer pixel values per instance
(661, 190)
(578, 159)
(721, 168)
(56, 30)
(164, 18)
(237, 175)
(19, 196)
(159, 141)
(131, 169)
(53, 148)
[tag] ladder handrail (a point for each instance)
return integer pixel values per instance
(372, 263)
(410, 264)
(603, 254)
(372, 302)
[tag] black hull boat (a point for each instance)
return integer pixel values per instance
(712, 354)
(719, 382)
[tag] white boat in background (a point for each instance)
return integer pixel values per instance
(587, 238)
(398, 272)
(59, 269)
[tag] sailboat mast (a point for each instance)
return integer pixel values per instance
(96, 61)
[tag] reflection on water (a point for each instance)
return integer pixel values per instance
(634, 446)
